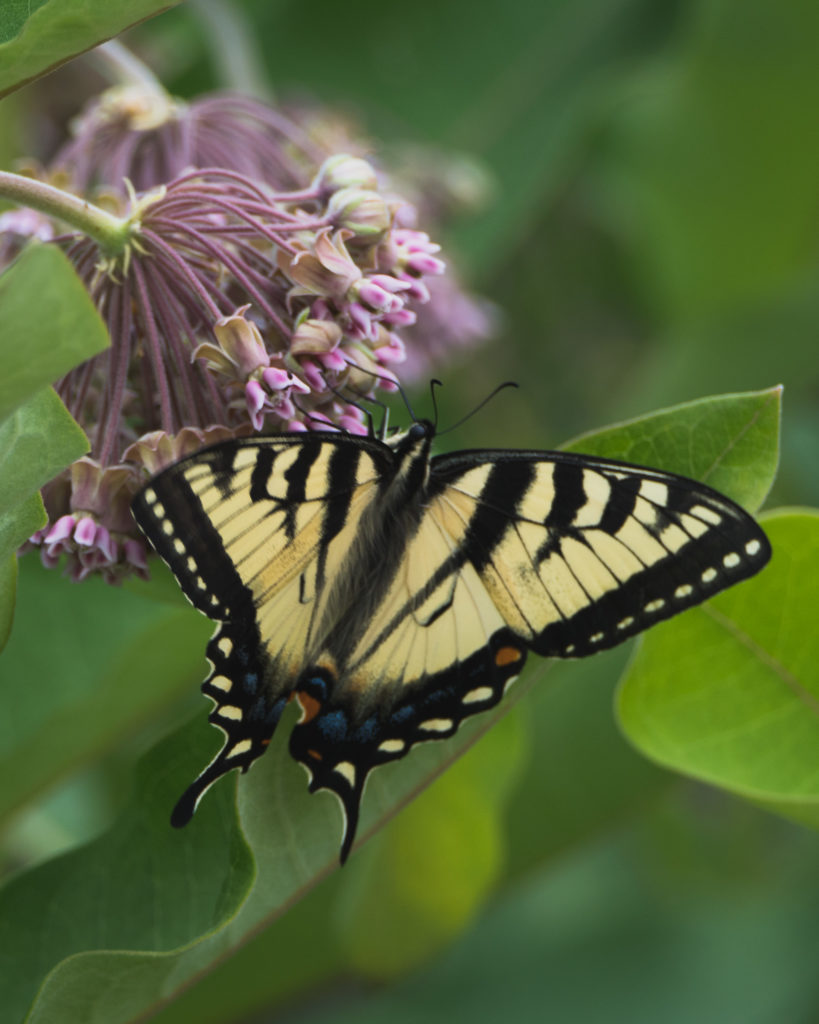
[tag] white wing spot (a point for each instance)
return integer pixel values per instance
(436, 725)
(179, 546)
(200, 583)
(158, 510)
(225, 645)
(655, 605)
(683, 591)
(191, 563)
(392, 746)
(149, 494)
(508, 683)
(654, 491)
(626, 622)
(241, 747)
(221, 683)
(230, 711)
(167, 527)
(731, 560)
(752, 547)
(708, 514)
(709, 575)
(478, 695)
(595, 638)
(346, 769)
(569, 649)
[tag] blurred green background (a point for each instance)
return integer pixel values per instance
(649, 232)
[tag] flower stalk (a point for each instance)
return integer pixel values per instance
(109, 232)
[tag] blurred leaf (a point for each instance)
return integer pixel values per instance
(294, 838)
(730, 442)
(715, 157)
(8, 589)
(581, 777)
(83, 666)
(48, 324)
(423, 877)
(599, 939)
(142, 887)
(37, 37)
(729, 692)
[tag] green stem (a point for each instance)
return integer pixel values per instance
(119, 64)
(112, 233)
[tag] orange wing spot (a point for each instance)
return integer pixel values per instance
(310, 707)
(506, 655)
(266, 743)
(315, 755)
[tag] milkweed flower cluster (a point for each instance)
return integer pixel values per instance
(236, 302)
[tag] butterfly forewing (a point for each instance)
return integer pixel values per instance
(581, 553)
(253, 530)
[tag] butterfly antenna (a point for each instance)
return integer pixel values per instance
(432, 385)
(318, 419)
(356, 405)
(480, 405)
(393, 382)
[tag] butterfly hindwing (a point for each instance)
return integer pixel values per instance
(253, 529)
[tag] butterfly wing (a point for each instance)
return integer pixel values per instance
(254, 530)
(562, 554)
(580, 553)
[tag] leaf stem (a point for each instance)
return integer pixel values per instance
(111, 233)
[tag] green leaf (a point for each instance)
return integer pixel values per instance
(729, 692)
(730, 442)
(8, 588)
(37, 441)
(295, 842)
(48, 324)
(37, 37)
(83, 665)
(421, 879)
(105, 907)
(581, 777)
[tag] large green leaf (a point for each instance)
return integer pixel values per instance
(195, 919)
(37, 37)
(142, 887)
(37, 441)
(730, 442)
(48, 324)
(729, 692)
(84, 665)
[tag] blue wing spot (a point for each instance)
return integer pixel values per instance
(251, 682)
(333, 726)
(403, 714)
(368, 730)
(316, 686)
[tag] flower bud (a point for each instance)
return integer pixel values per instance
(344, 171)
(313, 336)
(361, 211)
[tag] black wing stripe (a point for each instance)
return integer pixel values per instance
(172, 517)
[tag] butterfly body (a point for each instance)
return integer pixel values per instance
(393, 593)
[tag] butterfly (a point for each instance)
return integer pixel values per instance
(393, 593)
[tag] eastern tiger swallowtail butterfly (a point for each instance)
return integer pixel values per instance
(392, 594)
